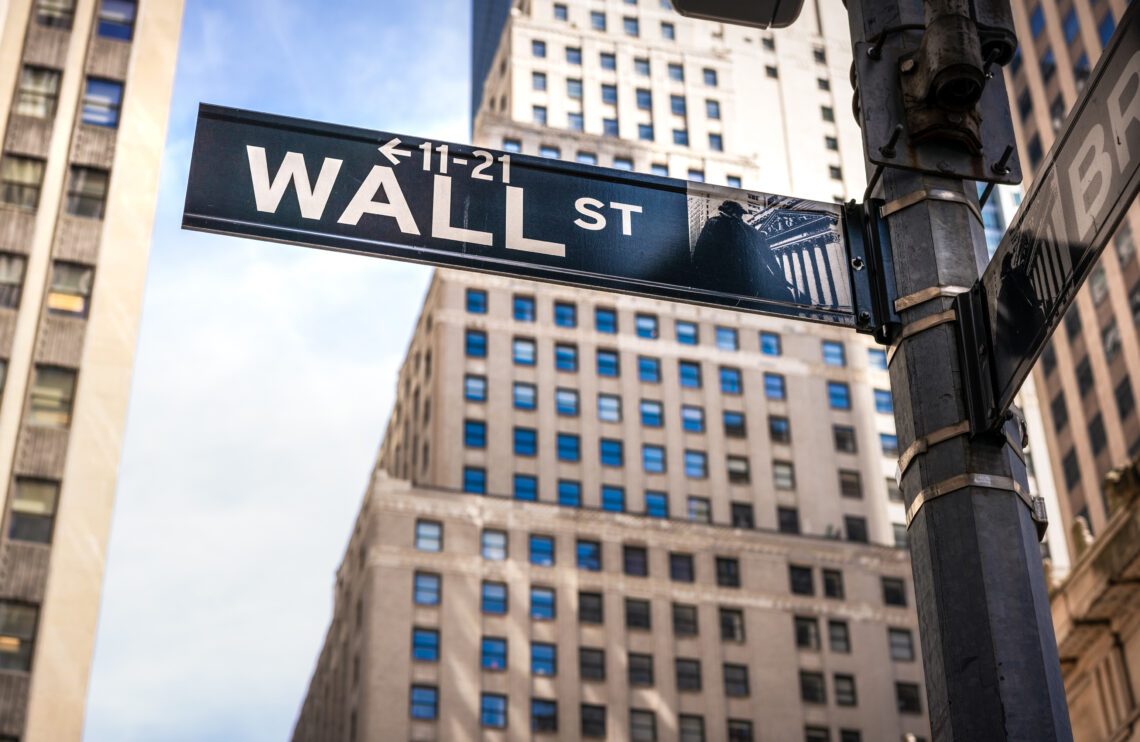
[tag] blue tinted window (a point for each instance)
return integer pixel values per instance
(474, 480)
(687, 333)
(117, 19)
(676, 72)
(575, 122)
(523, 308)
(475, 388)
(1071, 25)
(475, 344)
(1105, 29)
(693, 419)
(476, 301)
(526, 441)
(712, 109)
(568, 448)
(493, 710)
(541, 553)
(641, 67)
(494, 599)
(726, 339)
(542, 659)
(426, 590)
(774, 386)
(696, 464)
(524, 396)
(609, 408)
(734, 423)
(566, 357)
(677, 104)
(732, 181)
(890, 444)
(609, 94)
(565, 315)
(494, 653)
(542, 602)
(1037, 21)
(474, 434)
(587, 158)
(610, 452)
(425, 645)
(730, 380)
(589, 555)
(538, 48)
(629, 25)
(710, 77)
(690, 374)
(543, 715)
(512, 145)
(644, 99)
(522, 350)
(656, 505)
(1048, 65)
(838, 395)
(610, 129)
(526, 487)
(569, 493)
(609, 61)
(681, 137)
(648, 369)
(597, 21)
(101, 102)
(573, 55)
(668, 31)
(770, 344)
(645, 132)
(877, 359)
(424, 702)
(608, 364)
(651, 413)
(566, 401)
(883, 401)
(833, 354)
(613, 498)
(646, 325)
(605, 320)
(653, 458)
(538, 115)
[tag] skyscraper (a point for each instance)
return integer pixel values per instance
(87, 87)
(1086, 376)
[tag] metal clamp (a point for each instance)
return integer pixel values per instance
(1036, 505)
(921, 325)
(926, 294)
(929, 194)
(921, 445)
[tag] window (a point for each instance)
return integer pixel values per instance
(690, 373)
(817, 734)
(20, 179)
(811, 687)
(681, 137)
(901, 643)
(538, 80)
(676, 73)
(538, 115)
(33, 510)
(86, 192)
(742, 515)
(574, 122)
(738, 471)
(734, 426)
(807, 632)
(646, 326)
(696, 464)
(586, 158)
(574, 88)
(877, 359)
(590, 607)
(653, 458)
(426, 589)
(801, 580)
(565, 315)
(494, 598)
(11, 279)
(692, 728)
(635, 561)
(525, 441)
(779, 429)
(512, 145)
(700, 511)
(560, 12)
(787, 520)
(610, 129)
(687, 333)
(838, 636)
(688, 674)
(889, 443)
(833, 354)
(493, 710)
(425, 645)
(476, 301)
(677, 104)
(101, 102)
(883, 401)
(38, 92)
(642, 726)
(609, 94)
(566, 357)
(684, 619)
(680, 567)
(739, 730)
(55, 13)
(693, 418)
(731, 625)
(641, 67)
(645, 132)
(589, 555)
(543, 660)
(568, 449)
(783, 475)
(608, 363)
(648, 369)
(542, 606)
(1110, 340)
(609, 408)
(774, 386)
(474, 388)
(608, 61)
(651, 415)
(835, 172)
(610, 452)
(656, 505)
(640, 669)
(727, 572)
(1125, 403)
(637, 614)
(908, 697)
(833, 584)
(424, 702)
(709, 77)
(495, 545)
(1097, 438)
(894, 591)
(573, 55)
(566, 402)
(732, 181)
(900, 534)
(541, 551)
(52, 393)
(850, 484)
(523, 396)
(1071, 469)
(597, 21)
(474, 434)
(735, 680)
(844, 438)
(475, 344)
(116, 19)
(630, 26)
(827, 113)
(831, 143)
(838, 395)
(845, 690)
(569, 492)
(856, 528)
(591, 663)
(613, 498)
(593, 720)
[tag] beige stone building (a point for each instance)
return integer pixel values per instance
(1086, 378)
(86, 88)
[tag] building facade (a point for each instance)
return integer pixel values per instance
(1086, 377)
(86, 91)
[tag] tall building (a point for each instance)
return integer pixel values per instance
(1087, 375)
(599, 515)
(86, 90)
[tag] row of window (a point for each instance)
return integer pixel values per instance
(116, 18)
(21, 180)
(631, 25)
(69, 293)
(676, 70)
(37, 96)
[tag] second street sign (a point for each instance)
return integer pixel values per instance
(370, 192)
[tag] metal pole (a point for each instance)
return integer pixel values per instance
(989, 653)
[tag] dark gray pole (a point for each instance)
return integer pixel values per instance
(990, 657)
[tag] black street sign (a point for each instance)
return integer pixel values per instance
(1079, 195)
(396, 196)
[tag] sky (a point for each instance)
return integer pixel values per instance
(263, 379)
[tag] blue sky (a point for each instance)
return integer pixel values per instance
(262, 382)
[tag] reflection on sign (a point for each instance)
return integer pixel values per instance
(446, 204)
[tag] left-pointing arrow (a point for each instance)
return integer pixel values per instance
(389, 150)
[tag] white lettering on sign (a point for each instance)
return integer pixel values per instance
(1120, 116)
(515, 238)
(268, 195)
(626, 210)
(364, 201)
(583, 206)
(1081, 179)
(441, 217)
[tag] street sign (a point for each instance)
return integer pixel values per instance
(758, 13)
(396, 196)
(1079, 195)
